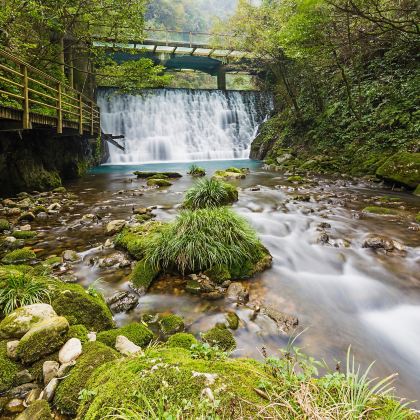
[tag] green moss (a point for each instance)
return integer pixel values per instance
(158, 176)
(94, 354)
(158, 182)
(60, 190)
(295, 178)
(146, 175)
(402, 168)
(171, 324)
(77, 331)
(38, 410)
(416, 191)
(230, 173)
(219, 274)
(418, 217)
(232, 320)
(195, 170)
(143, 218)
(182, 340)
(136, 332)
(19, 256)
(4, 225)
(220, 337)
(234, 170)
(8, 369)
(81, 307)
(53, 260)
(23, 234)
(259, 261)
(380, 210)
(36, 369)
(43, 338)
(143, 275)
(40, 209)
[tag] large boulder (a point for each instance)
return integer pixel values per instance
(402, 168)
(115, 226)
(20, 321)
(38, 410)
(43, 338)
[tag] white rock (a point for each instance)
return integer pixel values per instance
(210, 378)
(50, 370)
(115, 226)
(49, 391)
(91, 336)
(208, 393)
(10, 239)
(126, 347)
(109, 243)
(70, 351)
(26, 227)
(54, 206)
(70, 255)
(11, 348)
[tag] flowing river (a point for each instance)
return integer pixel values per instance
(343, 294)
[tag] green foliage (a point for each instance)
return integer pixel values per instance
(4, 225)
(135, 332)
(19, 256)
(24, 234)
(218, 274)
(182, 340)
(201, 239)
(8, 369)
(402, 168)
(196, 170)
(210, 193)
(21, 289)
(220, 337)
(67, 395)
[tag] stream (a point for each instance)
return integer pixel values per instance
(343, 294)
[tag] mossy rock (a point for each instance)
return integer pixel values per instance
(158, 176)
(53, 260)
(38, 410)
(26, 217)
(380, 210)
(295, 178)
(77, 331)
(218, 274)
(158, 182)
(36, 369)
(19, 256)
(143, 275)
(8, 368)
(4, 225)
(260, 261)
(232, 320)
(226, 175)
(221, 337)
(136, 332)
(60, 190)
(43, 338)
(39, 209)
(81, 307)
(181, 340)
(147, 175)
(417, 191)
(418, 217)
(24, 234)
(402, 168)
(132, 382)
(94, 354)
(171, 324)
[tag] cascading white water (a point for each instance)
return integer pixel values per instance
(182, 125)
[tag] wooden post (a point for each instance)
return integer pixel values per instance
(91, 118)
(80, 114)
(25, 104)
(59, 111)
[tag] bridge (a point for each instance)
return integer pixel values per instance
(210, 53)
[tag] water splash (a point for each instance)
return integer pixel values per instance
(182, 125)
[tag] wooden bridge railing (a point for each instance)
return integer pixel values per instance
(36, 95)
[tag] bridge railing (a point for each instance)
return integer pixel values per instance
(32, 91)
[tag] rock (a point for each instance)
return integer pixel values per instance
(23, 377)
(27, 216)
(26, 228)
(25, 203)
(37, 410)
(22, 391)
(126, 347)
(70, 256)
(115, 226)
(323, 238)
(402, 168)
(11, 347)
(236, 292)
(54, 207)
(91, 336)
(208, 393)
(15, 406)
(141, 210)
(117, 260)
(49, 370)
(232, 320)
(122, 301)
(42, 339)
(20, 321)
(221, 337)
(70, 351)
(42, 215)
(32, 396)
(210, 378)
(109, 243)
(65, 369)
(48, 392)
(285, 322)
(379, 242)
(9, 203)
(88, 217)
(283, 158)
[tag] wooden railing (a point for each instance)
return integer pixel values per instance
(35, 93)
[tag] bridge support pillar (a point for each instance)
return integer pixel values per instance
(221, 78)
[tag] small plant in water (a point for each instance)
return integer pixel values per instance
(196, 170)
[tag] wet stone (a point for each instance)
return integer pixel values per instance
(122, 301)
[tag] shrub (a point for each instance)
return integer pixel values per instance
(135, 332)
(182, 340)
(19, 256)
(202, 239)
(210, 193)
(21, 289)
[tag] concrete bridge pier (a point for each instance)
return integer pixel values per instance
(221, 78)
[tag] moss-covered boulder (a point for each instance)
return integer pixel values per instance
(95, 354)
(24, 234)
(143, 275)
(147, 175)
(221, 337)
(138, 333)
(402, 168)
(231, 173)
(8, 368)
(173, 376)
(21, 320)
(155, 182)
(43, 338)
(181, 340)
(260, 261)
(77, 331)
(380, 210)
(82, 307)
(171, 324)
(218, 274)
(4, 225)
(38, 410)
(19, 256)
(417, 191)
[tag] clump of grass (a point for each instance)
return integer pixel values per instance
(196, 170)
(20, 289)
(201, 239)
(210, 193)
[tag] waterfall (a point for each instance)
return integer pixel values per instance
(182, 125)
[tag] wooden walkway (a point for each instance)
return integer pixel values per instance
(31, 98)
